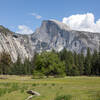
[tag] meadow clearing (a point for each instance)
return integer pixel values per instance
(75, 88)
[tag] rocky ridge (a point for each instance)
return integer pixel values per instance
(52, 34)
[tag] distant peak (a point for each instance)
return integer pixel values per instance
(58, 23)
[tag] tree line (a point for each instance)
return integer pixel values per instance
(16, 68)
(58, 64)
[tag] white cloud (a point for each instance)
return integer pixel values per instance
(23, 29)
(36, 15)
(83, 22)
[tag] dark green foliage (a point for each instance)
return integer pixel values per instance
(5, 63)
(17, 68)
(88, 63)
(52, 64)
(49, 64)
(81, 60)
(28, 67)
(71, 61)
(78, 64)
(96, 63)
(22, 68)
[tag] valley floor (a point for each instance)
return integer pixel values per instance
(79, 88)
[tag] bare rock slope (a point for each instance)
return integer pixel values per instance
(52, 34)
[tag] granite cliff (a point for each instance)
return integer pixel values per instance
(52, 34)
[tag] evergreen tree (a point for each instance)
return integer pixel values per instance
(81, 63)
(96, 63)
(76, 62)
(17, 68)
(28, 67)
(5, 63)
(63, 55)
(69, 63)
(88, 62)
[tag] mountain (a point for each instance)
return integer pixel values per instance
(55, 35)
(52, 34)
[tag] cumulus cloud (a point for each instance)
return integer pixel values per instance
(83, 22)
(36, 15)
(23, 29)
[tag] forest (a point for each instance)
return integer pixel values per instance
(57, 64)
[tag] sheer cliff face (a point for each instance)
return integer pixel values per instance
(56, 35)
(51, 35)
(13, 46)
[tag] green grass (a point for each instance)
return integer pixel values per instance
(69, 88)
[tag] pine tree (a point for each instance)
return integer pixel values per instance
(96, 63)
(63, 54)
(69, 63)
(27, 67)
(81, 63)
(5, 63)
(88, 63)
(17, 68)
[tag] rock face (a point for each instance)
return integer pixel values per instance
(13, 46)
(52, 34)
(56, 35)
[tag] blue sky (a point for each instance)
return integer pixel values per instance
(31, 12)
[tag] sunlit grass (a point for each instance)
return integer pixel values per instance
(78, 88)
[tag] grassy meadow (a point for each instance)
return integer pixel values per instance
(74, 88)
